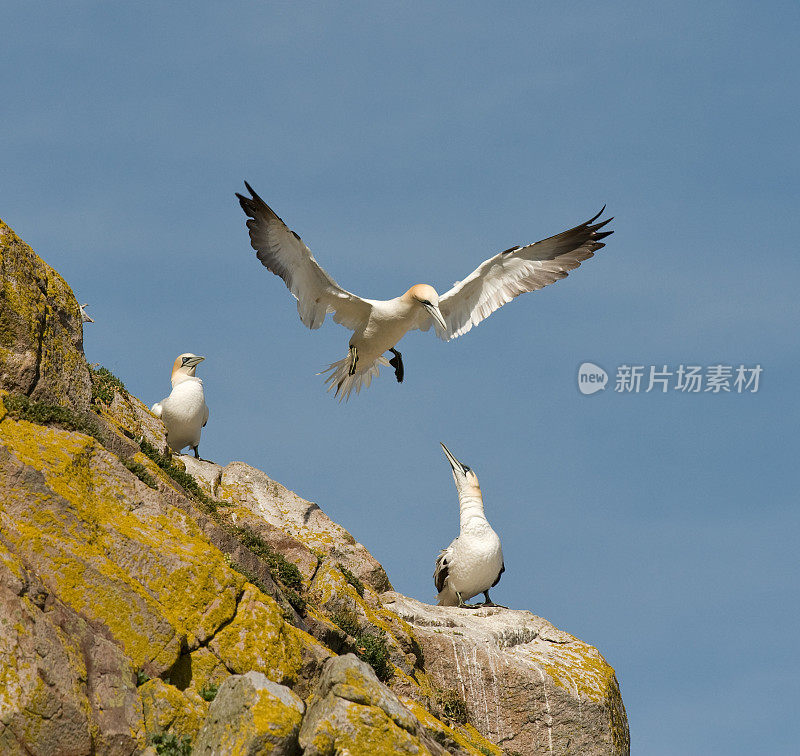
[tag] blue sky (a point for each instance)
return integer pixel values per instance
(407, 142)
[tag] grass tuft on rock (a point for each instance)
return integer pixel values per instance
(295, 599)
(280, 568)
(453, 706)
(104, 385)
(140, 471)
(21, 407)
(371, 644)
(181, 477)
(168, 744)
(347, 620)
(352, 579)
(209, 692)
(372, 648)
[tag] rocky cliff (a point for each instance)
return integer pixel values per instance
(160, 604)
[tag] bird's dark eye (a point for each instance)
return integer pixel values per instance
(185, 360)
(467, 469)
(426, 302)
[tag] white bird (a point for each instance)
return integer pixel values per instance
(473, 563)
(184, 411)
(378, 325)
(85, 315)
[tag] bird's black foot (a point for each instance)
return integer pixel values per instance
(353, 360)
(489, 602)
(397, 363)
(464, 605)
(196, 453)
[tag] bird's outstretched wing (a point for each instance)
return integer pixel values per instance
(282, 251)
(513, 272)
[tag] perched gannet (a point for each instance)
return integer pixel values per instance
(184, 411)
(85, 315)
(378, 325)
(473, 563)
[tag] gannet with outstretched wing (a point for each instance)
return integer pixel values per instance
(473, 563)
(378, 325)
(184, 412)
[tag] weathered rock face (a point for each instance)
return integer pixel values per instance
(252, 715)
(301, 524)
(41, 331)
(133, 586)
(527, 686)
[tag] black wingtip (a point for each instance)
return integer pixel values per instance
(600, 225)
(591, 220)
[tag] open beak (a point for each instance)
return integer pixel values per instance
(437, 316)
(454, 463)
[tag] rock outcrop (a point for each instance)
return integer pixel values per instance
(252, 715)
(153, 604)
(41, 328)
(526, 684)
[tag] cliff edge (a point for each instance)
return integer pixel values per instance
(162, 604)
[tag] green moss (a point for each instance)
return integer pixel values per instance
(281, 568)
(141, 677)
(140, 471)
(352, 579)
(105, 385)
(168, 744)
(209, 692)
(20, 407)
(294, 598)
(181, 477)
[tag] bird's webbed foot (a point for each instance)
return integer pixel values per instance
(397, 363)
(353, 360)
(196, 453)
(489, 602)
(464, 605)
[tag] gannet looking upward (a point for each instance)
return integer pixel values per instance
(184, 411)
(378, 325)
(473, 563)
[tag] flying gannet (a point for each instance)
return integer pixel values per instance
(473, 563)
(378, 325)
(184, 411)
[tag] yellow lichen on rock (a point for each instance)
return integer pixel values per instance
(41, 334)
(146, 572)
(167, 709)
(258, 638)
(466, 737)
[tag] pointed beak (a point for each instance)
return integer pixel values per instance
(454, 463)
(437, 316)
(193, 361)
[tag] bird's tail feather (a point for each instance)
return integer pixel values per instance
(447, 597)
(340, 380)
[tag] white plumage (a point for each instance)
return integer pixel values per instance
(473, 562)
(184, 412)
(378, 325)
